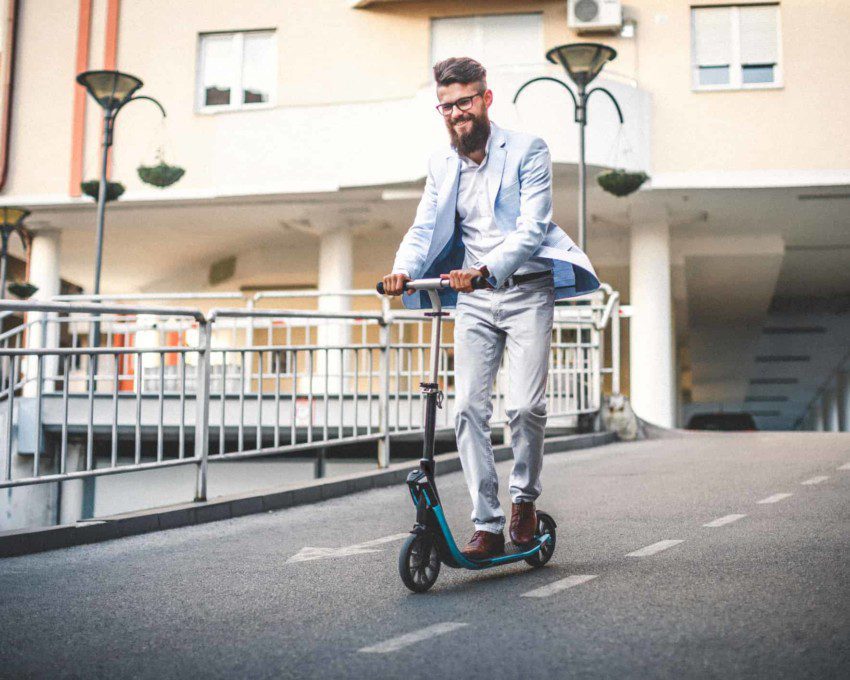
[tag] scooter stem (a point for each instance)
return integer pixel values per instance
(436, 328)
(431, 390)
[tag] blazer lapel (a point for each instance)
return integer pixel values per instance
(496, 164)
(444, 221)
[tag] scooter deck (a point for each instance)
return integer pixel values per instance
(512, 549)
(513, 553)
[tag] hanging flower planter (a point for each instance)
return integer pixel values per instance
(22, 289)
(161, 175)
(620, 182)
(92, 187)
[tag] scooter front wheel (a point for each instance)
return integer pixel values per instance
(545, 525)
(419, 562)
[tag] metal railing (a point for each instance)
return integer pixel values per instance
(168, 386)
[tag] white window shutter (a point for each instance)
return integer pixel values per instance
(455, 37)
(259, 68)
(712, 36)
(758, 34)
(512, 40)
(218, 60)
(498, 41)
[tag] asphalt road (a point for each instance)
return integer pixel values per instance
(765, 595)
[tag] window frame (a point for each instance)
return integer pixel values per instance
(238, 48)
(736, 68)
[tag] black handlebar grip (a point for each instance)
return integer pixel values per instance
(478, 283)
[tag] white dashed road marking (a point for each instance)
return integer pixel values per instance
(402, 641)
(654, 548)
(775, 498)
(308, 554)
(726, 519)
(558, 586)
(846, 466)
(815, 480)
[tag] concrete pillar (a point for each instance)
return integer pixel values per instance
(336, 267)
(653, 380)
(830, 409)
(44, 263)
(31, 506)
(843, 384)
(336, 273)
(44, 273)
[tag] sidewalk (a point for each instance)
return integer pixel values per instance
(25, 541)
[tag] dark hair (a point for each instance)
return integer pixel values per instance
(460, 70)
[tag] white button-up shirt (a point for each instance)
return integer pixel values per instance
(478, 225)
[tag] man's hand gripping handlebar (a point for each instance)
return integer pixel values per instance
(395, 284)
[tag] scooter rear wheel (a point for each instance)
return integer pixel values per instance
(419, 562)
(545, 525)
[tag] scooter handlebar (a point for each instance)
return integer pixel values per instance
(478, 283)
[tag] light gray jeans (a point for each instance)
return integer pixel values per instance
(487, 322)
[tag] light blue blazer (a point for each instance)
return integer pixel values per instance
(519, 179)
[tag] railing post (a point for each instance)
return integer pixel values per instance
(202, 408)
(615, 347)
(319, 466)
(384, 396)
(248, 367)
(597, 359)
(600, 356)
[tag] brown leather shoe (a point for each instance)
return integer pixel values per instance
(484, 544)
(523, 522)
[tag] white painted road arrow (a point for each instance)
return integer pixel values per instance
(308, 554)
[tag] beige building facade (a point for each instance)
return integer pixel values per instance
(304, 127)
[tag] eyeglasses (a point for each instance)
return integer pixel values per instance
(463, 104)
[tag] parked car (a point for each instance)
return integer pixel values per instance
(723, 422)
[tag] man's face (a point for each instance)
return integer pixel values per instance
(469, 129)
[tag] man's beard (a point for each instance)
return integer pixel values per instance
(472, 141)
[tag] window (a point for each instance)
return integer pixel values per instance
(499, 42)
(735, 47)
(236, 70)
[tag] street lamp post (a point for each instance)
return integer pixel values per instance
(11, 222)
(112, 90)
(582, 62)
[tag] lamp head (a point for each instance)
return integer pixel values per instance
(11, 217)
(581, 61)
(110, 89)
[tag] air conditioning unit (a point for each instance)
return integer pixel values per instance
(595, 16)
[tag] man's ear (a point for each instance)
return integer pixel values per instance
(488, 98)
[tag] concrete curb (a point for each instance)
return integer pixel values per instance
(25, 541)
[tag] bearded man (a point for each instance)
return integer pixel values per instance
(487, 211)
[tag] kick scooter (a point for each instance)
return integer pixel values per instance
(431, 542)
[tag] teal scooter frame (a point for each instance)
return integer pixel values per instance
(431, 543)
